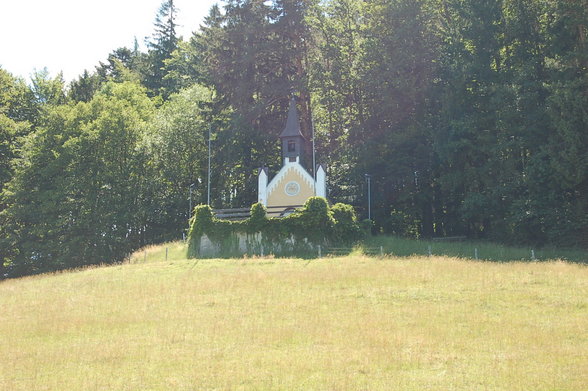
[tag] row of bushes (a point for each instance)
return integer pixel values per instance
(315, 224)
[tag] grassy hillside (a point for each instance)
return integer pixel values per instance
(349, 323)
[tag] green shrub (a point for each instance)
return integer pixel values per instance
(200, 223)
(314, 224)
(346, 229)
(367, 226)
(258, 220)
(401, 224)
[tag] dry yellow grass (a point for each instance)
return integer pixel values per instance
(350, 323)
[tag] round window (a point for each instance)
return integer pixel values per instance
(292, 188)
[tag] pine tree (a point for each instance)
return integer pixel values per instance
(162, 44)
(335, 67)
(84, 88)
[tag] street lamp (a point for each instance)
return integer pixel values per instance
(368, 178)
(191, 188)
(209, 140)
(313, 155)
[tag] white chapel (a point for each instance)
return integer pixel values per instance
(292, 185)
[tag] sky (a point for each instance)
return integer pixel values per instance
(70, 36)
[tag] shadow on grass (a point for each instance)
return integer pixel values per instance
(385, 246)
(476, 250)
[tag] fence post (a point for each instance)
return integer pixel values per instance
(381, 251)
(430, 253)
(532, 254)
(166, 254)
(476, 253)
(319, 251)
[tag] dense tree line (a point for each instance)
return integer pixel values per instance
(471, 116)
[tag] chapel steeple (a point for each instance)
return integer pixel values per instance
(291, 137)
(292, 186)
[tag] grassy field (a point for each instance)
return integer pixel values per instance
(348, 323)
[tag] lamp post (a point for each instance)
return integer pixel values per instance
(191, 188)
(208, 196)
(368, 178)
(313, 155)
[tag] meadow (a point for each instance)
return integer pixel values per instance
(334, 323)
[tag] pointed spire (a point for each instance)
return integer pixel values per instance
(292, 128)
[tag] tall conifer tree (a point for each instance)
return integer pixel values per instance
(162, 44)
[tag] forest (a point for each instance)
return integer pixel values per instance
(470, 116)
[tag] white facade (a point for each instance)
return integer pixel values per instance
(291, 186)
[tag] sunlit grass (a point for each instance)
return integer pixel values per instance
(172, 251)
(347, 323)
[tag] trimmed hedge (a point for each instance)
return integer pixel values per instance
(297, 234)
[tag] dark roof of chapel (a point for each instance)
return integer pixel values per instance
(292, 128)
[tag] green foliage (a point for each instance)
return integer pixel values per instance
(314, 224)
(470, 116)
(78, 194)
(17, 113)
(162, 45)
(252, 80)
(220, 232)
(200, 224)
(368, 227)
(84, 88)
(48, 91)
(258, 221)
(10, 132)
(314, 221)
(17, 99)
(178, 156)
(346, 229)
(401, 224)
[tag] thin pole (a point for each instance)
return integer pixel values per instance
(190, 213)
(208, 196)
(369, 198)
(313, 153)
(369, 185)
